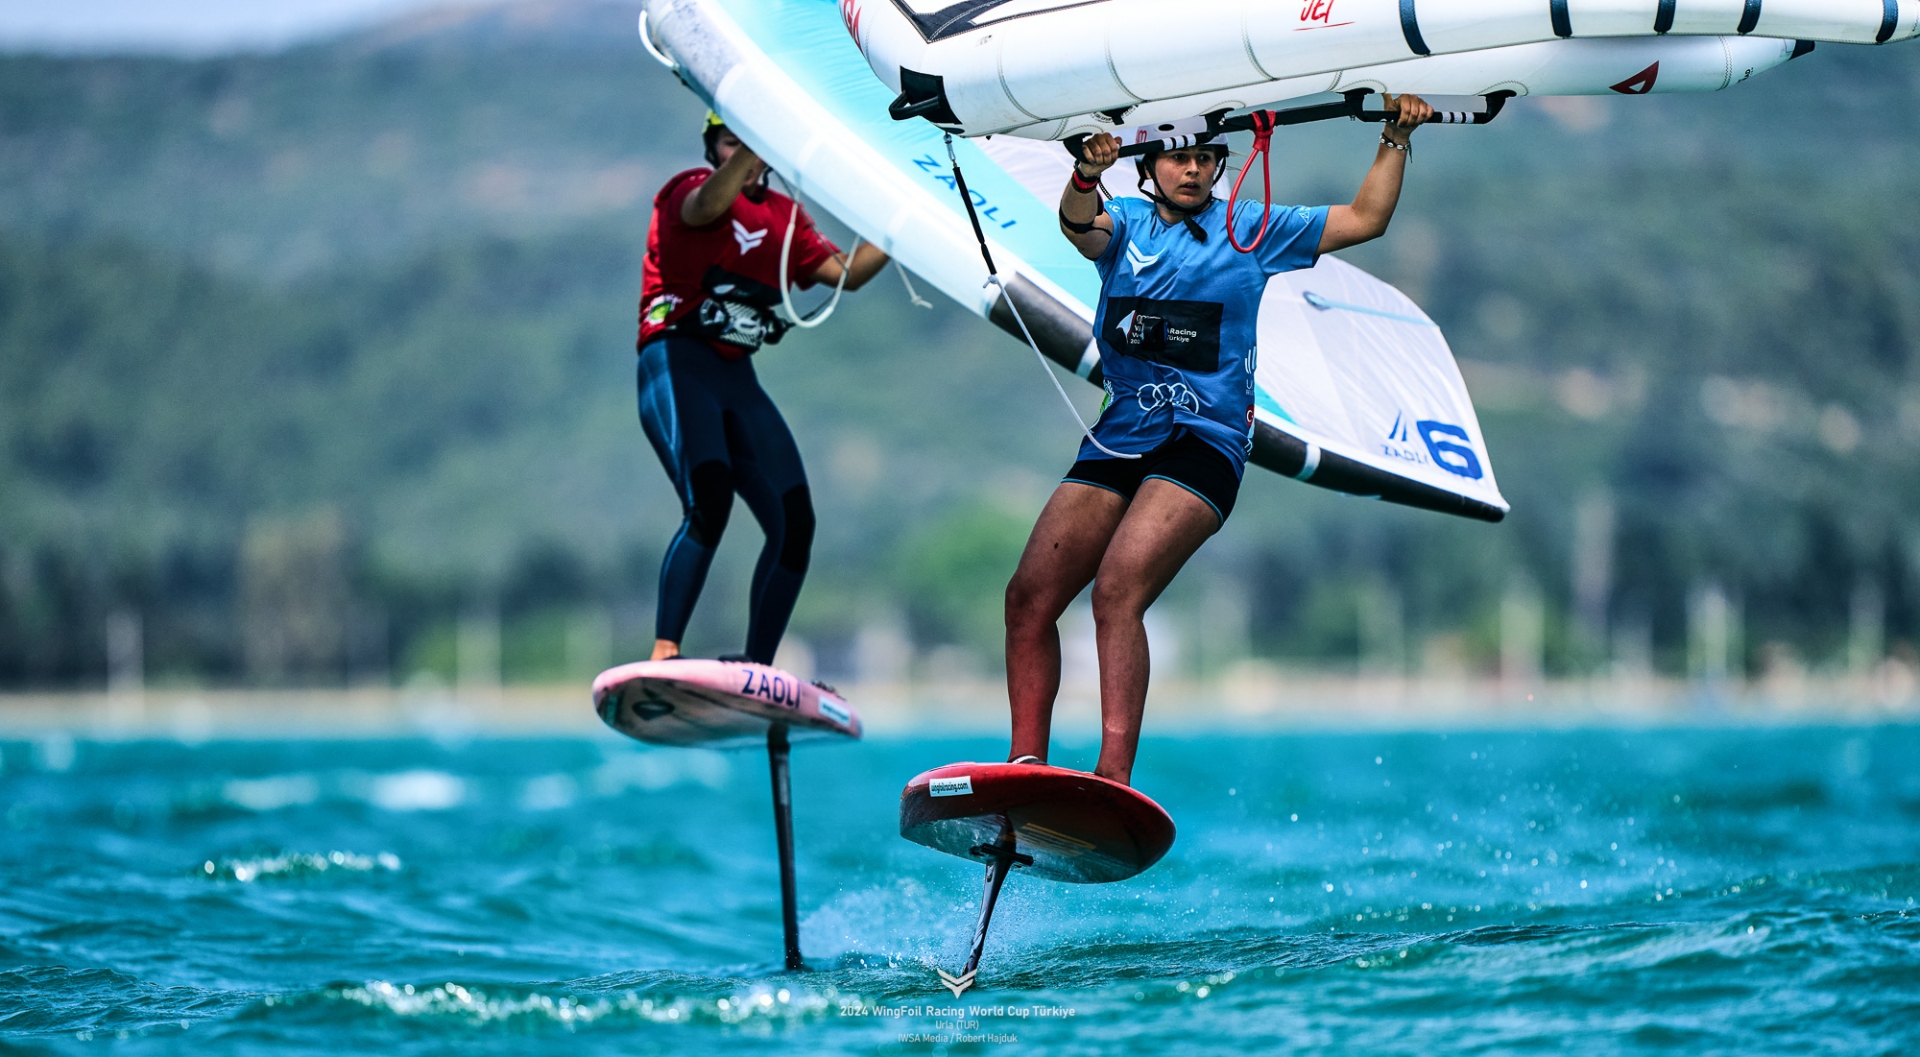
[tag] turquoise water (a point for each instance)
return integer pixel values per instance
(1722, 891)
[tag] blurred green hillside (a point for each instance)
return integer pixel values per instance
(317, 366)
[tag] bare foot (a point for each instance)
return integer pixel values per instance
(664, 650)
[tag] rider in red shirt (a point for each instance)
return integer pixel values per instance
(709, 289)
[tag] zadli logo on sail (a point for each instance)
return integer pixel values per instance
(1447, 446)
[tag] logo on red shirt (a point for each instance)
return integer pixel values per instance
(748, 240)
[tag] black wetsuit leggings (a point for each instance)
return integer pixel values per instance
(718, 435)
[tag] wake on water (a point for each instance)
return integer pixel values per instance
(1706, 891)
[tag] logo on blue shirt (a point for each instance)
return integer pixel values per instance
(1140, 261)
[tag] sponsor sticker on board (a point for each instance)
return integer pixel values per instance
(833, 711)
(961, 786)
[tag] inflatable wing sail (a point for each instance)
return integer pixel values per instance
(1356, 389)
(1057, 68)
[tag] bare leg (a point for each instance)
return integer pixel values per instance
(1060, 559)
(664, 650)
(1161, 530)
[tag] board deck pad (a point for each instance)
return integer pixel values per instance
(717, 704)
(1077, 827)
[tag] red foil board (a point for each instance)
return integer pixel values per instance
(1078, 827)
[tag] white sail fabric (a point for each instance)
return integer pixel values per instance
(785, 76)
(1352, 366)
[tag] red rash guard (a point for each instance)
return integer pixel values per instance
(745, 241)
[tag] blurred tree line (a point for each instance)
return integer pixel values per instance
(316, 367)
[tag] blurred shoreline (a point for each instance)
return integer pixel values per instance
(1251, 697)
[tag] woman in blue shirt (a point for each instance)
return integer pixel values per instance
(1175, 326)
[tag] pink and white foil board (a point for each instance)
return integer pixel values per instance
(717, 704)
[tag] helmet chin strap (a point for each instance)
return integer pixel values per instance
(1186, 214)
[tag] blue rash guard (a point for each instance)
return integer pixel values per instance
(1176, 322)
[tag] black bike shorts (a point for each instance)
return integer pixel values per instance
(1183, 458)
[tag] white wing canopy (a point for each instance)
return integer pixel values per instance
(1057, 68)
(1352, 367)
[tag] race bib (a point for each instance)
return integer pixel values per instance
(1182, 334)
